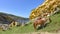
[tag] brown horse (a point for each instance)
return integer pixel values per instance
(41, 21)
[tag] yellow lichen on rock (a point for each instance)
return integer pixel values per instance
(48, 6)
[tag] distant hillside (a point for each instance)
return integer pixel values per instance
(7, 18)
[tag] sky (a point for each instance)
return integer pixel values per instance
(19, 7)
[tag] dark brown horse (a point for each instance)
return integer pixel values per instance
(41, 21)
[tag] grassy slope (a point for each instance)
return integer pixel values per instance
(52, 27)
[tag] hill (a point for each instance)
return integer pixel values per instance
(49, 6)
(52, 27)
(7, 18)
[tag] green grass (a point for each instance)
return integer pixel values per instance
(51, 27)
(18, 30)
(54, 25)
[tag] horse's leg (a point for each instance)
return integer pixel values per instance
(42, 25)
(34, 26)
(50, 19)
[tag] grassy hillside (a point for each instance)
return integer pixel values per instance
(51, 27)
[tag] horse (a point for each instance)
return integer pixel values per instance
(41, 21)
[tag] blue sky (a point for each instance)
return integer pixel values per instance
(19, 7)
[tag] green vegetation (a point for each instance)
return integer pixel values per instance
(51, 27)
(54, 25)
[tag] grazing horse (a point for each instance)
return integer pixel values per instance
(41, 21)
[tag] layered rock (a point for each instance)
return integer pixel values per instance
(50, 6)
